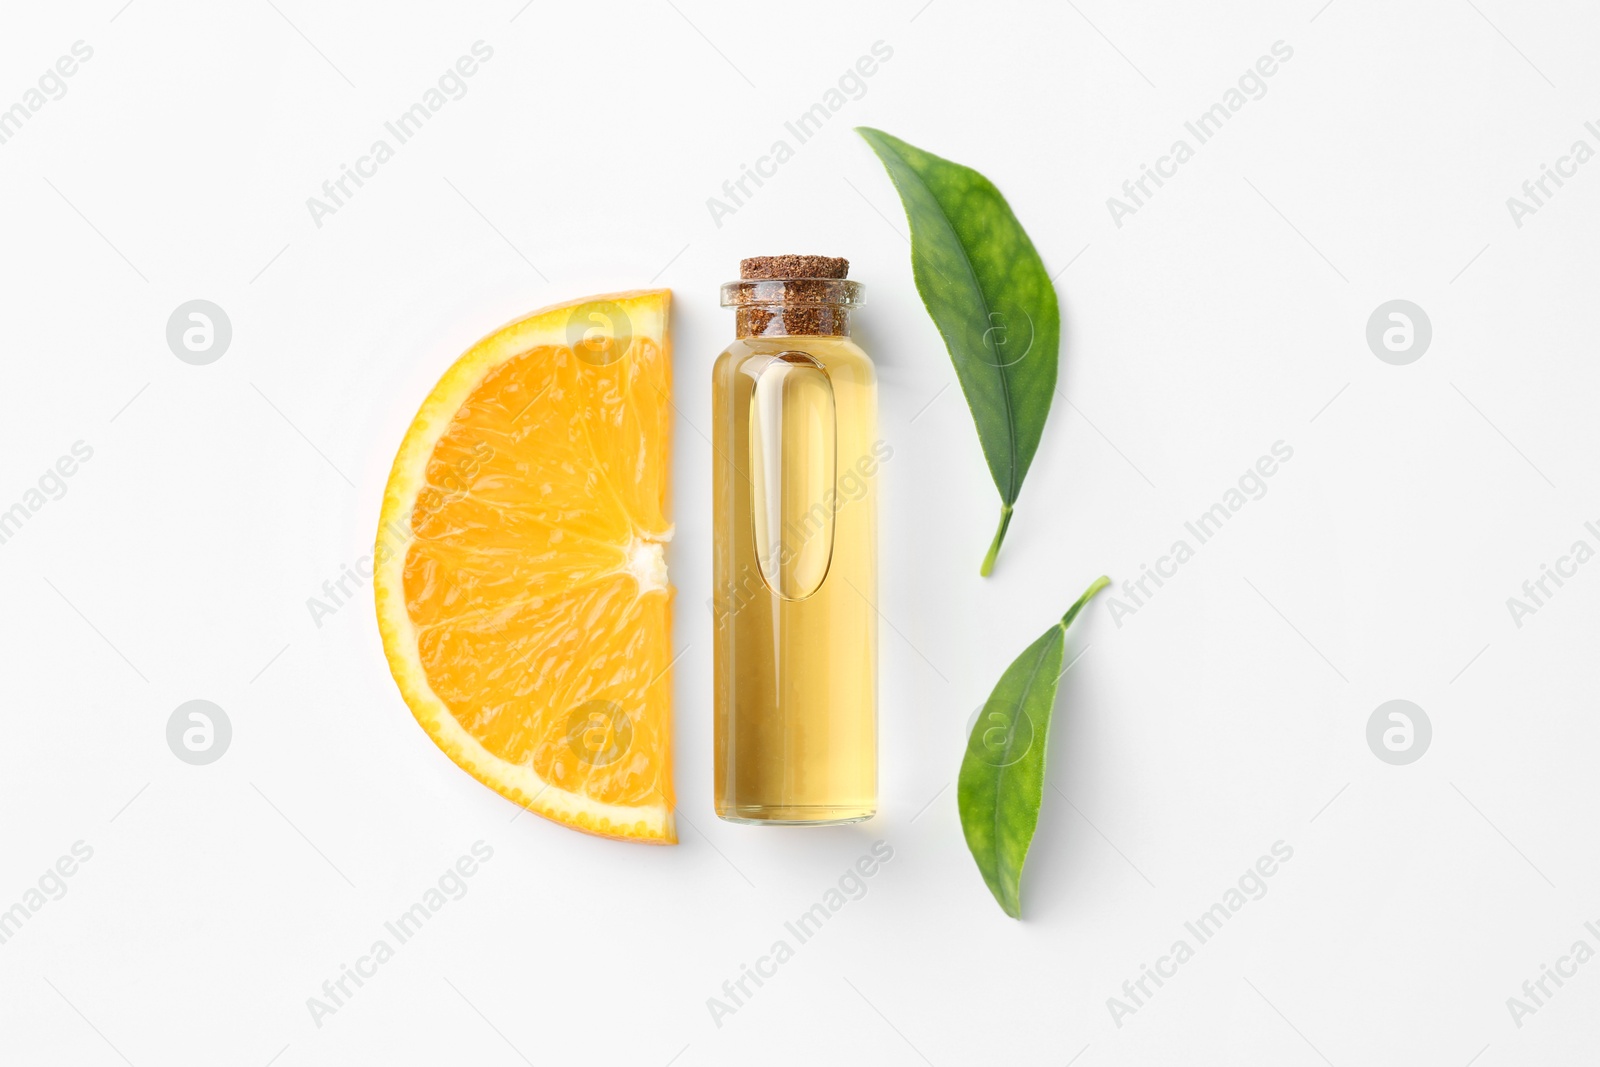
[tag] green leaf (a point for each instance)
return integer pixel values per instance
(1002, 773)
(988, 292)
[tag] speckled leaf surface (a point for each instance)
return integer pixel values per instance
(987, 290)
(1002, 774)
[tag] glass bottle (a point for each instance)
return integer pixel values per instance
(796, 456)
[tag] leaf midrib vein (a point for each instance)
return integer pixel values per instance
(1022, 699)
(999, 367)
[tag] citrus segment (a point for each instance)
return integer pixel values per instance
(520, 568)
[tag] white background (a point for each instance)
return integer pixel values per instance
(1229, 713)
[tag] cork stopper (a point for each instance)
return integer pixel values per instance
(779, 296)
(794, 267)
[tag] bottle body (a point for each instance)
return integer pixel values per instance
(795, 580)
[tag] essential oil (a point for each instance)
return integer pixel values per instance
(797, 457)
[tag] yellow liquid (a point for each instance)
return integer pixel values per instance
(795, 580)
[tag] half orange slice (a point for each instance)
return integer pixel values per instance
(520, 572)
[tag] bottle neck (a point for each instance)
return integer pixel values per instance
(792, 320)
(792, 307)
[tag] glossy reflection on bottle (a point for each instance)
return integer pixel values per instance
(795, 562)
